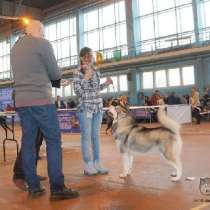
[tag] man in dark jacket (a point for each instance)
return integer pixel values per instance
(59, 103)
(173, 99)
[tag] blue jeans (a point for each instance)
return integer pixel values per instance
(90, 124)
(44, 117)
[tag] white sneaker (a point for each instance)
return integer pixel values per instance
(100, 169)
(89, 169)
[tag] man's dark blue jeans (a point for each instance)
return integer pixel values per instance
(44, 117)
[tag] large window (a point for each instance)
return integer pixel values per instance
(174, 77)
(59, 91)
(105, 29)
(68, 90)
(163, 23)
(205, 20)
(64, 91)
(63, 36)
(188, 75)
(120, 83)
(123, 83)
(160, 78)
(147, 80)
(169, 77)
(114, 86)
(5, 72)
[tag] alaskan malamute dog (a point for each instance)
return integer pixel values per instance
(133, 138)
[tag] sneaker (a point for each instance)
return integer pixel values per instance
(36, 192)
(20, 184)
(65, 193)
(100, 169)
(89, 169)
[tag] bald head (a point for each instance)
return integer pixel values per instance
(35, 28)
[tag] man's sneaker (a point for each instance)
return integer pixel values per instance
(89, 169)
(65, 193)
(20, 184)
(36, 192)
(100, 169)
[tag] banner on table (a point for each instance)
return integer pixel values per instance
(68, 121)
(141, 114)
(181, 113)
(6, 98)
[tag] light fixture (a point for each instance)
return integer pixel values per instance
(25, 20)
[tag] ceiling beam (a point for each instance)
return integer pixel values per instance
(17, 7)
(1, 7)
(69, 5)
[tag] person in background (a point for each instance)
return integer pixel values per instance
(195, 103)
(123, 103)
(205, 100)
(71, 104)
(172, 99)
(187, 98)
(141, 101)
(147, 101)
(90, 111)
(34, 67)
(59, 103)
(156, 98)
(182, 99)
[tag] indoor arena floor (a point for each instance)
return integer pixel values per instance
(148, 188)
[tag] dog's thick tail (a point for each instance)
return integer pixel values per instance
(167, 121)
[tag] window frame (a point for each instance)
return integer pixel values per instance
(6, 72)
(117, 90)
(167, 77)
(108, 52)
(179, 38)
(70, 60)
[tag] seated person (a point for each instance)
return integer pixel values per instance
(156, 98)
(141, 99)
(59, 103)
(173, 99)
(205, 100)
(123, 103)
(195, 103)
(71, 104)
(147, 101)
